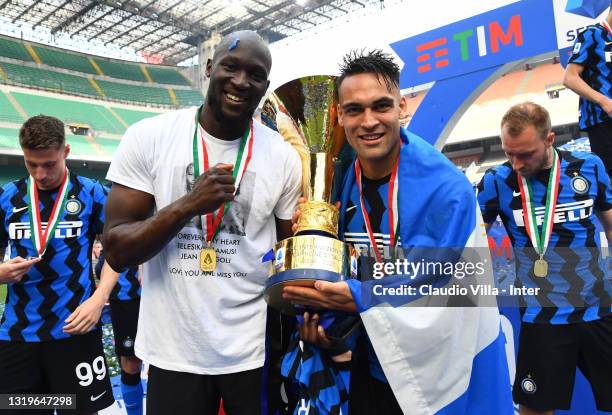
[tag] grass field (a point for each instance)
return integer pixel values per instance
(2, 293)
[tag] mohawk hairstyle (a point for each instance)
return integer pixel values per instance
(373, 61)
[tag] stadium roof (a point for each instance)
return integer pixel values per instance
(172, 28)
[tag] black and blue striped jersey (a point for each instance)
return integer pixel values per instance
(375, 197)
(127, 287)
(577, 287)
(36, 307)
(593, 51)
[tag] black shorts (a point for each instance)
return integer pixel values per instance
(547, 358)
(170, 392)
(600, 138)
(124, 316)
(75, 365)
(370, 396)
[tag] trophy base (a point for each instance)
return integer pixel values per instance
(303, 259)
(273, 289)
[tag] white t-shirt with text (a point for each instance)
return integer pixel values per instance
(190, 321)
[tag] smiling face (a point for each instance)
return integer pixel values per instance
(238, 80)
(369, 112)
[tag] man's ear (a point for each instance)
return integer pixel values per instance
(403, 105)
(550, 138)
(208, 68)
(339, 112)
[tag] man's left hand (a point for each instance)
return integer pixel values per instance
(85, 317)
(324, 295)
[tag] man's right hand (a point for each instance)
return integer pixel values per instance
(212, 189)
(14, 270)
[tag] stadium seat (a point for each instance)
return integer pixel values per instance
(166, 76)
(189, 97)
(135, 93)
(98, 117)
(9, 139)
(8, 113)
(47, 79)
(66, 60)
(108, 144)
(131, 116)
(14, 49)
(121, 70)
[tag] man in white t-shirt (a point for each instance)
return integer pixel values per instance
(203, 317)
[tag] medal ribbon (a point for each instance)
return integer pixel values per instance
(201, 164)
(392, 208)
(41, 239)
(540, 241)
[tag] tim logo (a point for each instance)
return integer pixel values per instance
(68, 229)
(567, 212)
(490, 38)
(516, 31)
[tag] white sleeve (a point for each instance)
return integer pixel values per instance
(292, 185)
(132, 164)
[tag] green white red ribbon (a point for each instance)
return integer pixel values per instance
(392, 208)
(40, 238)
(540, 240)
(201, 164)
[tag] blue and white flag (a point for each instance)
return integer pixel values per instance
(438, 360)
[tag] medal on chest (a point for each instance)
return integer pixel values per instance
(40, 238)
(540, 239)
(211, 222)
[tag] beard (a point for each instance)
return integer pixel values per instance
(215, 106)
(542, 165)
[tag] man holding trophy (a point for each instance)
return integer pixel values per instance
(398, 194)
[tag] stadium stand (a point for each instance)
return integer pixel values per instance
(66, 60)
(166, 76)
(31, 76)
(97, 116)
(9, 139)
(101, 77)
(121, 70)
(108, 144)
(132, 116)
(13, 49)
(135, 93)
(8, 113)
(189, 97)
(80, 146)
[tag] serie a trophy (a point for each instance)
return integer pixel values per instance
(304, 112)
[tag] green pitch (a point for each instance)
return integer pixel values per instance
(2, 293)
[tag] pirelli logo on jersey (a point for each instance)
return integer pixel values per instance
(566, 212)
(67, 229)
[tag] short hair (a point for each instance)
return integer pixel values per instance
(522, 115)
(373, 61)
(41, 132)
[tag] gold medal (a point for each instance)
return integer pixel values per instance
(208, 259)
(540, 268)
